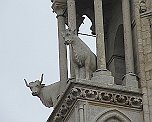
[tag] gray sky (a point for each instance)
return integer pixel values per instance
(28, 47)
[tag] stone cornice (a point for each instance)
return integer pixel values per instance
(79, 90)
(146, 14)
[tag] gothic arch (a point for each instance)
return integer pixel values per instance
(119, 55)
(112, 114)
(119, 41)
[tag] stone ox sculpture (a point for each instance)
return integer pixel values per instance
(47, 94)
(83, 58)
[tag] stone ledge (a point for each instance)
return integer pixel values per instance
(108, 86)
(81, 90)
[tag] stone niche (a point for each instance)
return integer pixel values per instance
(113, 31)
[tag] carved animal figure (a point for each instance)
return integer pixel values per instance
(47, 94)
(84, 59)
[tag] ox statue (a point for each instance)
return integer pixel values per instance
(47, 94)
(83, 58)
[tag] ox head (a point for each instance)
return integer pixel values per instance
(68, 36)
(35, 86)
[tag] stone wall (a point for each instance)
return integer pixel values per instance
(149, 4)
(142, 52)
(105, 113)
(147, 52)
(147, 46)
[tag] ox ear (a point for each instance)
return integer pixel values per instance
(26, 83)
(42, 85)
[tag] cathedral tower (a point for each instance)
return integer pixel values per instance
(120, 87)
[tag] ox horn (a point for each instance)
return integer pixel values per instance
(26, 83)
(41, 78)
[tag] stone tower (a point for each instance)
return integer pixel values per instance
(120, 89)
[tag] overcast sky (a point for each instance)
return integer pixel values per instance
(28, 47)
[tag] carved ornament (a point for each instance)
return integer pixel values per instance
(56, 6)
(97, 95)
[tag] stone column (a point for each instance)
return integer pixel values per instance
(71, 14)
(59, 8)
(102, 75)
(72, 25)
(99, 27)
(130, 77)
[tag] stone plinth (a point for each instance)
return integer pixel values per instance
(103, 77)
(130, 80)
(85, 101)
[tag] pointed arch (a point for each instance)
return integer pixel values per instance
(112, 114)
(119, 56)
(119, 41)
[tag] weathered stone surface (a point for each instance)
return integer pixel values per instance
(123, 30)
(147, 36)
(47, 94)
(103, 77)
(84, 60)
(99, 96)
(130, 80)
(99, 27)
(59, 8)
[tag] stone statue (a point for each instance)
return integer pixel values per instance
(84, 59)
(47, 94)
